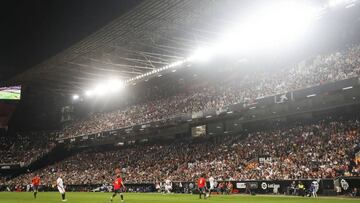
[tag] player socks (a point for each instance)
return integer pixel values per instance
(122, 197)
(112, 197)
(35, 194)
(63, 196)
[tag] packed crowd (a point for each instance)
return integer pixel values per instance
(24, 148)
(322, 149)
(237, 88)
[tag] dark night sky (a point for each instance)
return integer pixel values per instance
(34, 30)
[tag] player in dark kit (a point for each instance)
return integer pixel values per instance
(202, 186)
(35, 183)
(119, 187)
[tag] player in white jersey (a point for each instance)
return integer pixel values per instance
(212, 185)
(61, 188)
(315, 188)
(168, 185)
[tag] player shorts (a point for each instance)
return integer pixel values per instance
(120, 190)
(61, 190)
(168, 187)
(202, 190)
(35, 187)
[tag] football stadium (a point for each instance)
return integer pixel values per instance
(180, 101)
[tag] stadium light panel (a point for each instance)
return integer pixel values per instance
(198, 56)
(114, 85)
(89, 93)
(101, 89)
(270, 26)
(177, 63)
(201, 55)
(75, 97)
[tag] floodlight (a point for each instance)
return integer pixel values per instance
(201, 55)
(101, 89)
(270, 26)
(115, 85)
(89, 93)
(177, 63)
(75, 97)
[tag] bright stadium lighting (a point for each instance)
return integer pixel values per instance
(270, 26)
(196, 57)
(75, 97)
(89, 93)
(115, 85)
(177, 63)
(201, 55)
(286, 21)
(335, 3)
(101, 89)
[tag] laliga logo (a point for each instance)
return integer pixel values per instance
(264, 186)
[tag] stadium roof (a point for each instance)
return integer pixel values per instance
(152, 35)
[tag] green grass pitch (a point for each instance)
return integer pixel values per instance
(87, 197)
(9, 95)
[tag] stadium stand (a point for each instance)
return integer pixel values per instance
(319, 149)
(24, 148)
(245, 87)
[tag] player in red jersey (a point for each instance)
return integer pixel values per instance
(202, 186)
(119, 187)
(35, 184)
